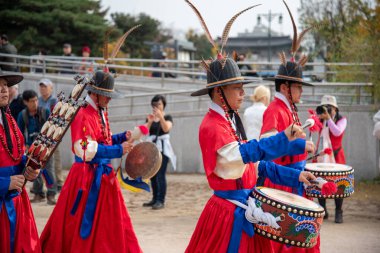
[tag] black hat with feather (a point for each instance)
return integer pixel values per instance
(223, 70)
(291, 71)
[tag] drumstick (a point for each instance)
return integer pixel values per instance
(326, 151)
(308, 123)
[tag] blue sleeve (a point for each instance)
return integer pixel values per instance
(119, 138)
(109, 152)
(271, 148)
(279, 174)
(4, 186)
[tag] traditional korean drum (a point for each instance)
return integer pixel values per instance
(342, 175)
(143, 161)
(299, 219)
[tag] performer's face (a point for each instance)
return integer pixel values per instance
(103, 101)
(296, 90)
(4, 93)
(235, 95)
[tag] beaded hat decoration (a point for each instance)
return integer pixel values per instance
(222, 70)
(292, 70)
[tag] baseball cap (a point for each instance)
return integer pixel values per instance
(46, 82)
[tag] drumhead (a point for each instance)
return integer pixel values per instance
(143, 161)
(289, 199)
(328, 167)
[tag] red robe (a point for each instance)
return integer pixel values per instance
(26, 234)
(278, 116)
(112, 229)
(213, 231)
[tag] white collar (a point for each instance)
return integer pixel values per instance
(215, 107)
(91, 102)
(283, 99)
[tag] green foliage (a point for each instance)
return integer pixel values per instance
(351, 34)
(33, 25)
(201, 43)
(150, 30)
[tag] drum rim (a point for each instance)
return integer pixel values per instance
(294, 209)
(329, 172)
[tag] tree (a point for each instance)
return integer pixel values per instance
(201, 43)
(351, 34)
(150, 31)
(33, 25)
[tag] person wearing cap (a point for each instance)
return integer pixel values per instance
(253, 115)
(48, 101)
(18, 231)
(87, 65)
(90, 215)
(334, 126)
(7, 48)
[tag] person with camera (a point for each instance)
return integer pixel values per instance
(334, 126)
(159, 125)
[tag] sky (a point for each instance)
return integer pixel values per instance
(177, 14)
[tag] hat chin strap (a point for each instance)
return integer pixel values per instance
(233, 114)
(293, 106)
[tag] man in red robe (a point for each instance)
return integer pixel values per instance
(281, 113)
(90, 214)
(231, 164)
(18, 231)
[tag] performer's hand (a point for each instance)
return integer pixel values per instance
(305, 177)
(127, 147)
(16, 183)
(294, 131)
(310, 147)
(158, 113)
(128, 135)
(31, 174)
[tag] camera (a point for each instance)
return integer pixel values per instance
(323, 108)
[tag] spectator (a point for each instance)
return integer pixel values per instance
(253, 115)
(47, 100)
(334, 126)
(159, 126)
(30, 121)
(162, 64)
(16, 104)
(67, 52)
(245, 69)
(87, 64)
(8, 48)
(40, 61)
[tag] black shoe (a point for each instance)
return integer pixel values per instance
(326, 215)
(150, 203)
(51, 200)
(59, 188)
(338, 216)
(158, 205)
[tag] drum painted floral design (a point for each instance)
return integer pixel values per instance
(299, 219)
(342, 175)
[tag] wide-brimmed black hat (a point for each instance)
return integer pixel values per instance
(222, 72)
(291, 72)
(104, 85)
(11, 79)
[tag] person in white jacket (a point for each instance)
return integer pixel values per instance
(253, 115)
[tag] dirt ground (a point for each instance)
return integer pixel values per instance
(169, 230)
